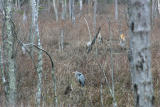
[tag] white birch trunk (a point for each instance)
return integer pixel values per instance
(55, 9)
(89, 5)
(94, 17)
(24, 17)
(101, 95)
(63, 11)
(80, 6)
(94, 22)
(159, 6)
(154, 10)
(35, 32)
(112, 66)
(2, 68)
(62, 30)
(116, 9)
(18, 4)
(65, 8)
(62, 40)
(140, 56)
(70, 8)
(33, 24)
(40, 62)
(9, 53)
(57, 3)
(3, 76)
(73, 15)
(1, 5)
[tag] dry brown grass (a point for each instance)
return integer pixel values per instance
(74, 57)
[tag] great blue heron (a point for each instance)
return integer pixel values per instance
(80, 77)
(88, 44)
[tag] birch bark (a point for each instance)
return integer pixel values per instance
(140, 57)
(40, 62)
(116, 9)
(9, 53)
(55, 9)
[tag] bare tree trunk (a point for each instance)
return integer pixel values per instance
(1, 5)
(90, 36)
(35, 32)
(94, 17)
(3, 59)
(18, 1)
(24, 17)
(49, 5)
(65, 8)
(80, 6)
(73, 14)
(89, 5)
(57, 4)
(71, 10)
(3, 76)
(61, 44)
(101, 94)
(9, 53)
(17, 4)
(33, 24)
(55, 9)
(116, 9)
(2, 69)
(140, 56)
(112, 66)
(94, 22)
(159, 6)
(154, 10)
(40, 62)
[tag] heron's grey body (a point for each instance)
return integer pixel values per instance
(80, 77)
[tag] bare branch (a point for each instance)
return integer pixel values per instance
(90, 36)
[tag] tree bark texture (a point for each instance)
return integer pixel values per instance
(40, 62)
(9, 53)
(95, 14)
(63, 10)
(140, 57)
(80, 6)
(116, 9)
(71, 10)
(55, 9)
(33, 24)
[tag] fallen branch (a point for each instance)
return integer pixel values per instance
(94, 40)
(90, 36)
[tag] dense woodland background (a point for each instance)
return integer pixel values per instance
(97, 66)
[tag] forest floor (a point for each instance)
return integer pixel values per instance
(74, 57)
